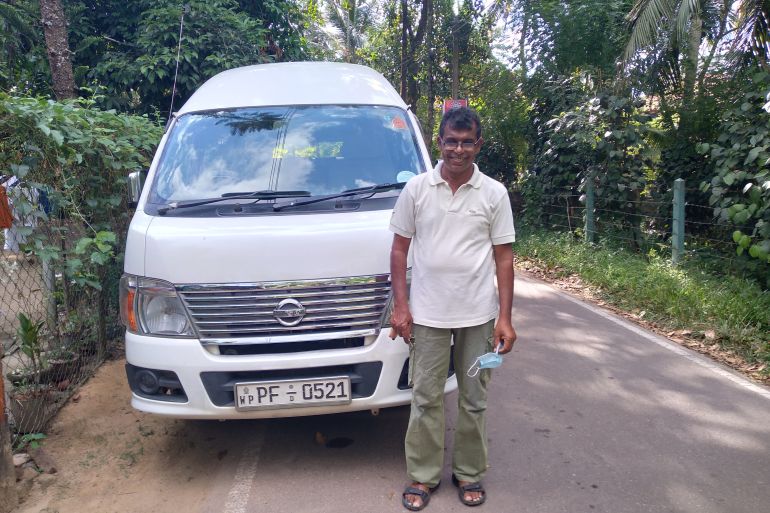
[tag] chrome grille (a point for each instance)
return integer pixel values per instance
(245, 312)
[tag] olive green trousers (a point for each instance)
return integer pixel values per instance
(429, 365)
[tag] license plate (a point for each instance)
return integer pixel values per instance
(265, 395)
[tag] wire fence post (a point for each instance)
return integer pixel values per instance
(590, 227)
(8, 492)
(49, 280)
(677, 226)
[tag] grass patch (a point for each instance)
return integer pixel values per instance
(683, 297)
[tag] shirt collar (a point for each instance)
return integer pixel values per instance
(475, 181)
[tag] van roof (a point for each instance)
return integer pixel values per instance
(293, 83)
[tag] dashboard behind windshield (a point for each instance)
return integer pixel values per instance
(319, 149)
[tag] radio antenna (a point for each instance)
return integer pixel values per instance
(185, 10)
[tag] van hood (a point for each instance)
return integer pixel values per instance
(268, 248)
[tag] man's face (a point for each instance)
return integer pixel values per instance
(458, 150)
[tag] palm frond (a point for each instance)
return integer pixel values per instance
(687, 9)
(502, 9)
(350, 19)
(645, 19)
(753, 30)
(17, 19)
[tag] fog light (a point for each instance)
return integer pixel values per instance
(147, 382)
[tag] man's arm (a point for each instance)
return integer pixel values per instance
(504, 328)
(401, 318)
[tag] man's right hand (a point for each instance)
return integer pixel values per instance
(401, 321)
(400, 317)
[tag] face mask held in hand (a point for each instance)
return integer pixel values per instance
(486, 361)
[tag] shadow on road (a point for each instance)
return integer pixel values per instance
(585, 415)
(599, 418)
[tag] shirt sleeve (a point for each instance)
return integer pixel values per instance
(402, 221)
(502, 230)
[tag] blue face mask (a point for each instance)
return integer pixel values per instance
(485, 361)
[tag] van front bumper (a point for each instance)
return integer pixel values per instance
(192, 376)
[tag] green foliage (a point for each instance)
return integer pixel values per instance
(582, 35)
(30, 343)
(287, 23)
(649, 17)
(495, 92)
(503, 109)
(674, 297)
(23, 62)
(98, 250)
(29, 440)
(80, 156)
(129, 49)
(216, 37)
(430, 65)
(561, 38)
(740, 187)
(749, 20)
(604, 140)
(351, 20)
(551, 98)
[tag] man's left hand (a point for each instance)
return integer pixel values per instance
(504, 331)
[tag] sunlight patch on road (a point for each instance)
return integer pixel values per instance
(690, 355)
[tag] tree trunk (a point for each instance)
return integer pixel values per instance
(101, 320)
(687, 110)
(431, 97)
(412, 66)
(523, 39)
(404, 40)
(723, 18)
(55, 29)
(455, 61)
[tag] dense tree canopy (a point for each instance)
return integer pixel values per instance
(632, 93)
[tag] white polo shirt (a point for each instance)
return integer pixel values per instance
(453, 268)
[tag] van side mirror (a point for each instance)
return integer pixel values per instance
(135, 183)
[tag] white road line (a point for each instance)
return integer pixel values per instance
(238, 497)
(671, 346)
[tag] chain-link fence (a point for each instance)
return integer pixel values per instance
(53, 332)
(63, 167)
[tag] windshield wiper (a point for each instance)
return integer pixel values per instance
(268, 194)
(255, 195)
(372, 189)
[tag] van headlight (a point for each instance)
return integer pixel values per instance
(386, 313)
(152, 307)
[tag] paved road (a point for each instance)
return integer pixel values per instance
(588, 414)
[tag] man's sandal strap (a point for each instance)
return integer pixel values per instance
(422, 494)
(473, 487)
(416, 491)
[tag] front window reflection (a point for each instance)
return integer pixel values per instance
(320, 149)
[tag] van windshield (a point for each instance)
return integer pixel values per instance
(318, 149)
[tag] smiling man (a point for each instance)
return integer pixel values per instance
(460, 226)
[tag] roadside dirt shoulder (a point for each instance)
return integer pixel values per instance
(101, 448)
(107, 455)
(700, 341)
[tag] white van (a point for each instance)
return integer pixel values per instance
(257, 271)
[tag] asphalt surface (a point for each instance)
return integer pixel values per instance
(589, 413)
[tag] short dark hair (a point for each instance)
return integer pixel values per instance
(460, 118)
